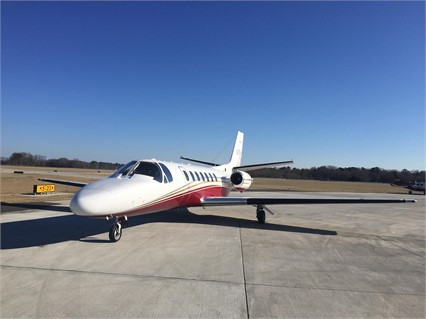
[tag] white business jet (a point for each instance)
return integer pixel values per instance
(149, 186)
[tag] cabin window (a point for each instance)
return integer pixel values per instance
(148, 169)
(186, 175)
(207, 177)
(202, 176)
(167, 172)
(192, 175)
(211, 177)
(215, 177)
(196, 174)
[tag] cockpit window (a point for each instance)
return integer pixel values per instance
(166, 172)
(148, 169)
(123, 170)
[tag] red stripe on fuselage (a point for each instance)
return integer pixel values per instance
(189, 198)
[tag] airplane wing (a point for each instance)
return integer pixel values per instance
(58, 181)
(230, 201)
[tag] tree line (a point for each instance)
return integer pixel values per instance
(346, 174)
(322, 173)
(28, 159)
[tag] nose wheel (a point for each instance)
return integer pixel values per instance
(115, 232)
(116, 229)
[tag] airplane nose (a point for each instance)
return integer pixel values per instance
(88, 202)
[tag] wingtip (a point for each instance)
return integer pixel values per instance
(410, 200)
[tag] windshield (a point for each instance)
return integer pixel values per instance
(148, 169)
(123, 170)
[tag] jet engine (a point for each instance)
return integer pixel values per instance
(241, 180)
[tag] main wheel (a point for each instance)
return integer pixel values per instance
(115, 232)
(260, 214)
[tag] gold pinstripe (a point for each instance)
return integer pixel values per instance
(177, 192)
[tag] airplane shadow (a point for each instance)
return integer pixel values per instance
(56, 229)
(12, 207)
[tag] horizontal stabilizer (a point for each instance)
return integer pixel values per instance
(197, 161)
(58, 181)
(264, 165)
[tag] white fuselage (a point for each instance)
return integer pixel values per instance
(149, 186)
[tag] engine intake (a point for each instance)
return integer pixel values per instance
(241, 180)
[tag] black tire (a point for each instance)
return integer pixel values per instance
(115, 233)
(260, 214)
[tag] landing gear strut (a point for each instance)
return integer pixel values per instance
(260, 214)
(116, 229)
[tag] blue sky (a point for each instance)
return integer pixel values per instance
(323, 83)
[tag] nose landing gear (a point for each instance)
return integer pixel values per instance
(116, 229)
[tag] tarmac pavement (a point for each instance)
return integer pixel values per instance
(322, 261)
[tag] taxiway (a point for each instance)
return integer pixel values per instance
(322, 261)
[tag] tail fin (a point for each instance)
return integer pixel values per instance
(236, 156)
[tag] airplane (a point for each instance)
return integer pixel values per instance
(418, 187)
(149, 186)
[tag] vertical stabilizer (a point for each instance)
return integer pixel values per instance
(236, 156)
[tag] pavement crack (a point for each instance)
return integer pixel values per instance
(338, 289)
(406, 249)
(244, 275)
(140, 276)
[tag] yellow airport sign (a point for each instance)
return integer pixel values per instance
(39, 189)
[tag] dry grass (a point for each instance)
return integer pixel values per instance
(18, 187)
(323, 186)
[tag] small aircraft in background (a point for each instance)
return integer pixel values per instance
(416, 186)
(149, 186)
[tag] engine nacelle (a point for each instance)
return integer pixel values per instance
(241, 180)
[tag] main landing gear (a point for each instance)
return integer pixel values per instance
(260, 213)
(116, 229)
